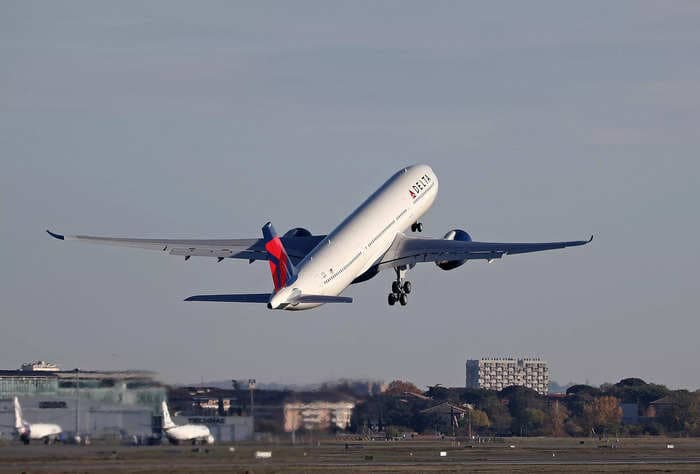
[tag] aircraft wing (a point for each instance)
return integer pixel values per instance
(409, 251)
(251, 249)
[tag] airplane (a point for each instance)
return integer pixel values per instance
(178, 434)
(310, 270)
(46, 432)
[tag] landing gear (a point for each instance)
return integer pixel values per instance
(417, 227)
(400, 288)
(392, 299)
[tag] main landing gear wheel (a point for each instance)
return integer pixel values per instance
(393, 297)
(417, 227)
(400, 288)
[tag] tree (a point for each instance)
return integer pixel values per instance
(479, 418)
(520, 399)
(582, 389)
(684, 413)
(602, 413)
(498, 415)
(400, 387)
(630, 382)
(577, 396)
(383, 410)
(476, 396)
(557, 414)
(534, 421)
(572, 428)
(438, 393)
(633, 390)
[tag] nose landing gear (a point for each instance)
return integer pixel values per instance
(400, 288)
(417, 227)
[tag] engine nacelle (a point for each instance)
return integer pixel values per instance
(298, 232)
(454, 234)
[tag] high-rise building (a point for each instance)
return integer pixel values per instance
(499, 373)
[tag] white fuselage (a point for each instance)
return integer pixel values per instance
(363, 237)
(184, 433)
(43, 430)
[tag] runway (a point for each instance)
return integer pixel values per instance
(527, 455)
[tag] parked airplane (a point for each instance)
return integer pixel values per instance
(310, 270)
(46, 432)
(179, 434)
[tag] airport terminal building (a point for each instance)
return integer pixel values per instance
(99, 403)
(108, 404)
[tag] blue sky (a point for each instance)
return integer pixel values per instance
(542, 120)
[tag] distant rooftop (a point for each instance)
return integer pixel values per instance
(40, 366)
(508, 359)
(80, 373)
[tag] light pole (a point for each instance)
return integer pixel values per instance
(251, 387)
(77, 406)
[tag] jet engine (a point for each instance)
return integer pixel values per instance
(454, 234)
(298, 232)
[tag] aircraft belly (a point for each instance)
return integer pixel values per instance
(361, 240)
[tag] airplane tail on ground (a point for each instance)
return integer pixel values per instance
(167, 421)
(281, 267)
(19, 423)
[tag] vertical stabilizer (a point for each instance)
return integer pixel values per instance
(281, 267)
(167, 422)
(19, 423)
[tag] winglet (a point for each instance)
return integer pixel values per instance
(55, 236)
(591, 239)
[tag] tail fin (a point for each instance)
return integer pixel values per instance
(18, 415)
(167, 422)
(282, 268)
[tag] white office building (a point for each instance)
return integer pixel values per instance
(499, 373)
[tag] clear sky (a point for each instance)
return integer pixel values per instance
(543, 121)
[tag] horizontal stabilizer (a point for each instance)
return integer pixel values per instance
(244, 298)
(322, 299)
(265, 298)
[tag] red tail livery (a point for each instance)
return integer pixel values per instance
(281, 267)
